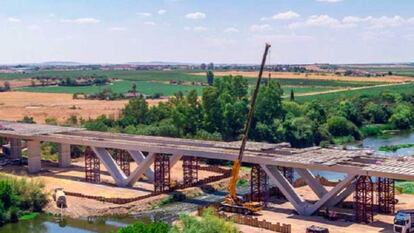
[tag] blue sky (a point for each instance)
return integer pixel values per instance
(221, 31)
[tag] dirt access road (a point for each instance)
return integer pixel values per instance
(15, 105)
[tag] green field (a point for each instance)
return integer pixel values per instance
(151, 82)
(400, 88)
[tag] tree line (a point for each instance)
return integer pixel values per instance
(221, 112)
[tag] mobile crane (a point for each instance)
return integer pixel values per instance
(233, 203)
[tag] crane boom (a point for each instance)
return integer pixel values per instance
(232, 198)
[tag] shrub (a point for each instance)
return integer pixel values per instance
(340, 126)
(208, 223)
(140, 227)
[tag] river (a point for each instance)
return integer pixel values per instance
(49, 224)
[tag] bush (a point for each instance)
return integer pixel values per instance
(340, 126)
(372, 130)
(18, 195)
(208, 223)
(140, 227)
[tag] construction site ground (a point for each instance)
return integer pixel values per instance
(72, 179)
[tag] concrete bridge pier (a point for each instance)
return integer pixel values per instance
(34, 160)
(64, 155)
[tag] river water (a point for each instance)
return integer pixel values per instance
(49, 224)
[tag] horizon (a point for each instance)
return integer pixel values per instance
(188, 31)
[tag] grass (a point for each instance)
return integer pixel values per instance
(399, 88)
(148, 88)
(405, 187)
(394, 148)
(29, 216)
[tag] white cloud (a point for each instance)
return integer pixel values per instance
(260, 28)
(283, 16)
(196, 29)
(329, 1)
(34, 27)
(200, 29)
(196, 15)
(320, 21)
(14, 20)
(81, 21)
(150, 23)
(231, 30)
(144, 14)
(117, 29)
(161, 12)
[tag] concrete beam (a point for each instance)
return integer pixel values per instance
(110, 164)
(139, 157)
(285, 187)
(329, 196)
(15, 148)
(139, 171)
(313, 183)
(34, 159)
(174, 159)
(342, 196)
(64, 155)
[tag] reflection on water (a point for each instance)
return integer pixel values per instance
(374, 143)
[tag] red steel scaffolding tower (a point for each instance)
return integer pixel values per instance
(386, 195)
(364, 200)
(162, 177)
(190, 170)
(92, 166)
(258, 184)
(122, 159)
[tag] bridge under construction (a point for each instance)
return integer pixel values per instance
(155, 155)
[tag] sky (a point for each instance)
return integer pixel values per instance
(195, 31)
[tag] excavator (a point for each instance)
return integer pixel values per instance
(233, 203)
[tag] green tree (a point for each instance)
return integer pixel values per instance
(140, 227)
(402, 117)
(210, 77)
(375, 113)
(300, 132)
(187, 115)
(340, 126)
(316, 112)
(269, 103)
(292, 95)
(135, 112)
(350, 111)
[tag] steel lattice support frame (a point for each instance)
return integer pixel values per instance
(386, 195)
(364, 200)
(123, 160)
(190, 170)
(92, 166)
(162, 179)
(258, 184)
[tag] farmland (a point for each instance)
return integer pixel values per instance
(169, 82)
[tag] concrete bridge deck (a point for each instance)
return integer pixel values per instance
(354, 163)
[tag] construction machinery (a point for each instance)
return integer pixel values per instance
(233, 203)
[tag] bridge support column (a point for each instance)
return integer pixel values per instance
(64, 158)
(15, 148)
(190, 171)
(162, 177)
(258, 184)
(123, 160)
(386, 195)
(34, 159)
(300, 205)
(92, 167)
(363, 200)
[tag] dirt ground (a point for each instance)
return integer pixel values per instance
(72, 179)
(15, 105)
(282, 211)
(316, 76)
